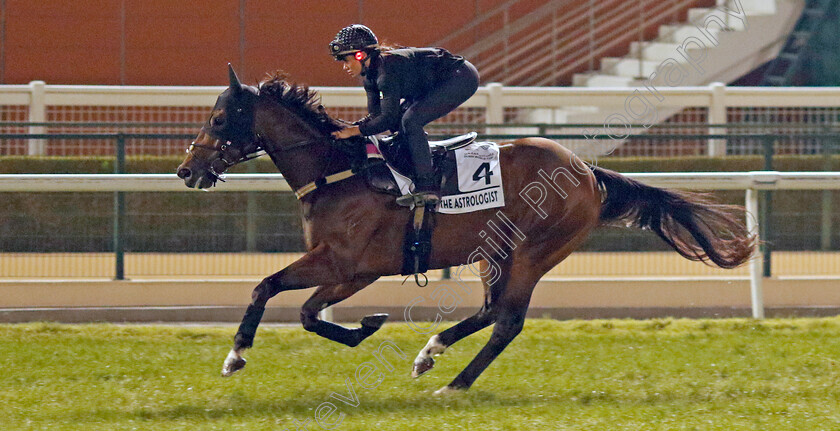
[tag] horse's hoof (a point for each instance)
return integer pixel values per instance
(233, 363)
(448, 390)
(233, 367)
(374, 321)
(421, 367)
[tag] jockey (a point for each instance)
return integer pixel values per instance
(431, 82)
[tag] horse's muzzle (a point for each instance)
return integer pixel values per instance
(186, 174)
(195, 180)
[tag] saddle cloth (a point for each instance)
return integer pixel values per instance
(471, 178)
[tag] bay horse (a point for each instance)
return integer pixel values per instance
(354, 235)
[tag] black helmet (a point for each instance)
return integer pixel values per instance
(352, 38)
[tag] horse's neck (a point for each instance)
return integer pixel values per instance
(311, 159)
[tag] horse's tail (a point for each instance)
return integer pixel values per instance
(695, 226)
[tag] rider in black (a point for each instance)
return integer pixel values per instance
(406, 88)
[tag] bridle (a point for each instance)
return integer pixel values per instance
(323, 180)
(223, 155)
(225, 159)
(228, 153)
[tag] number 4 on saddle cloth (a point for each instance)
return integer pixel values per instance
(470, 176)
(468, 172)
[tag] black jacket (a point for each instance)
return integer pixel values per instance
(406, 73)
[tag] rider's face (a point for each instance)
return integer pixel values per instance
(351, 65)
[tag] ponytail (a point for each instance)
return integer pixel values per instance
(388, 46)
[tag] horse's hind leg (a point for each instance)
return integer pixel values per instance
(509, 321)
(425, 360)
(480, 320)
(515, 296)
(325, 296)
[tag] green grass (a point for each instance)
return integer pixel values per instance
(583, 375)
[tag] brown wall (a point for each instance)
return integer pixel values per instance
(179, 42)
(189, 42)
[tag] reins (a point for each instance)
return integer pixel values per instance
(325, 179)
(261, 149)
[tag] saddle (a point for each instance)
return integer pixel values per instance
(397, 155)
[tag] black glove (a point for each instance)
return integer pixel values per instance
(362, 120)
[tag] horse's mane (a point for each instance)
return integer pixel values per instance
(300, 99)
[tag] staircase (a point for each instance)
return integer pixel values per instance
(781, 70)
(717, 44)
(623, 43)
(539, 43)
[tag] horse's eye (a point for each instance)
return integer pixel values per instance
(217, 121)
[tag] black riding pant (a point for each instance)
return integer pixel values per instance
(443, 99)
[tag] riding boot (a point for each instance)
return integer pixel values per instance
(426, 189)
(426, 192)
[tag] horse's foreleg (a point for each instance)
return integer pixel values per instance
(325, 296)
(313, 269)
(244, 337)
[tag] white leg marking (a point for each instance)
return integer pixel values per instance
(433, 348)
(233, 363)
(446, 390)
(424, 361)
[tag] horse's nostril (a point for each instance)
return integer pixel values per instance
(184, 173)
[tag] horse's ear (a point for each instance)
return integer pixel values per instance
(234, 80)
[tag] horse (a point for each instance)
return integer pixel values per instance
(354, 235)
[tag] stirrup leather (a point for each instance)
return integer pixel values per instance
(419, 199)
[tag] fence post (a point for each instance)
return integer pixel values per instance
(37, 114)
(754, 223)
(826, 207)
(717, 116)
(495, 110)
(119, 212)
(251, 216)
(765, 205)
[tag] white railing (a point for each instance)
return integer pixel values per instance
(758, 180)
(493, 97)
(60, 103)
(751, 182)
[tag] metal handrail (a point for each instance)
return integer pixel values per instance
(619, 25)
(609, 41)
(640, 52)
(578, 26)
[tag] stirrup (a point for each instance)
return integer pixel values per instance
(419, 199)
